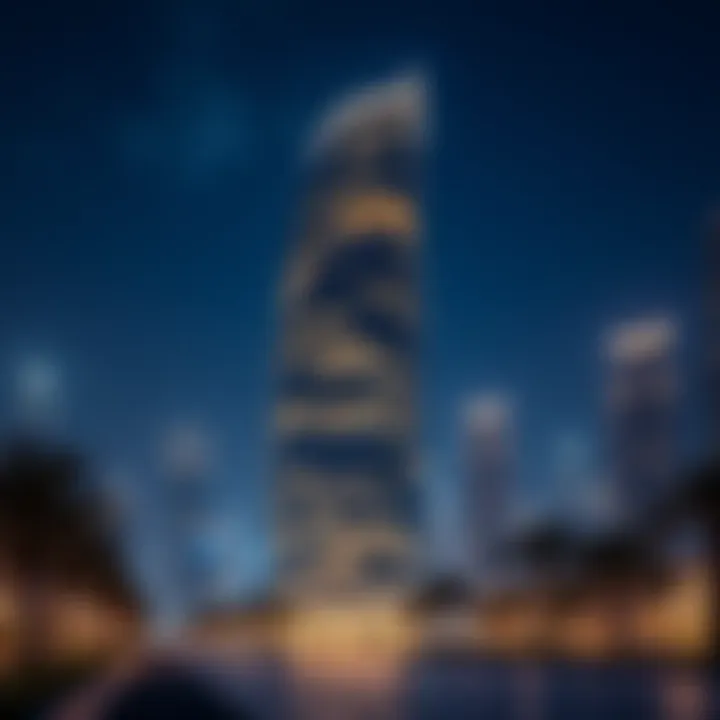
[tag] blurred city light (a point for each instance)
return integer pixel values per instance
(344, 304)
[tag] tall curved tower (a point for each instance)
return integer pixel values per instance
(347, 495)
(712, 330)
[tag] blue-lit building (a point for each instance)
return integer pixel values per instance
(187, 506)
(347, 487)
(642, 404)
(490, 459)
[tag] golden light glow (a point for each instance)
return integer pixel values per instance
(357, 635)
(84, 624)
(350, 353)
(367, 629)
(682, 614)
(377, 212)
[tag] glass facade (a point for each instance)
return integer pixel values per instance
(713, 334)
(346, 486)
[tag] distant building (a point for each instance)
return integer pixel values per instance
(186, 460)
(347, 490)
(642, 398)
(490, 469)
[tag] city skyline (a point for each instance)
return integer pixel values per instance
(148, 277)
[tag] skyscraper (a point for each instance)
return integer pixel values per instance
(186, 457)
(642, 408)
(490, 458)
(346, 416)
(712, 330)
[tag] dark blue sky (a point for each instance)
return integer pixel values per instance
(151, 164)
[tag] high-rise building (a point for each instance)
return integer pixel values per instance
(186, 465)
(712, 331)
(642, 401)
(490, 466)
(347, 490)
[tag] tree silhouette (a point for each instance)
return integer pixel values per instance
(51, 533)
(618, 565)
(697, 499)
(547, 550)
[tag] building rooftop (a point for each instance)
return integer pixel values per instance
(400, 100)
(488, 413)
(641, 339)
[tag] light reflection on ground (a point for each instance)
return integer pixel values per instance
(427, 688)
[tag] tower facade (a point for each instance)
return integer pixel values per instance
(490, 461)
(347, 493)
(642, 411)
(712, 330)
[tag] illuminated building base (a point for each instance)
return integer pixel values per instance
(352, 653)
(365, 635)
(353, 631)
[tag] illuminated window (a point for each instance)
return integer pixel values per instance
(375, 212)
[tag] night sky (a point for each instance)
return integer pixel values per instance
(151, 155)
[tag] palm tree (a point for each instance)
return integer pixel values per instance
(697, 499)
(547, 550)
(53, 538)
(444, 608)
(618, 565)
(34, 523)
